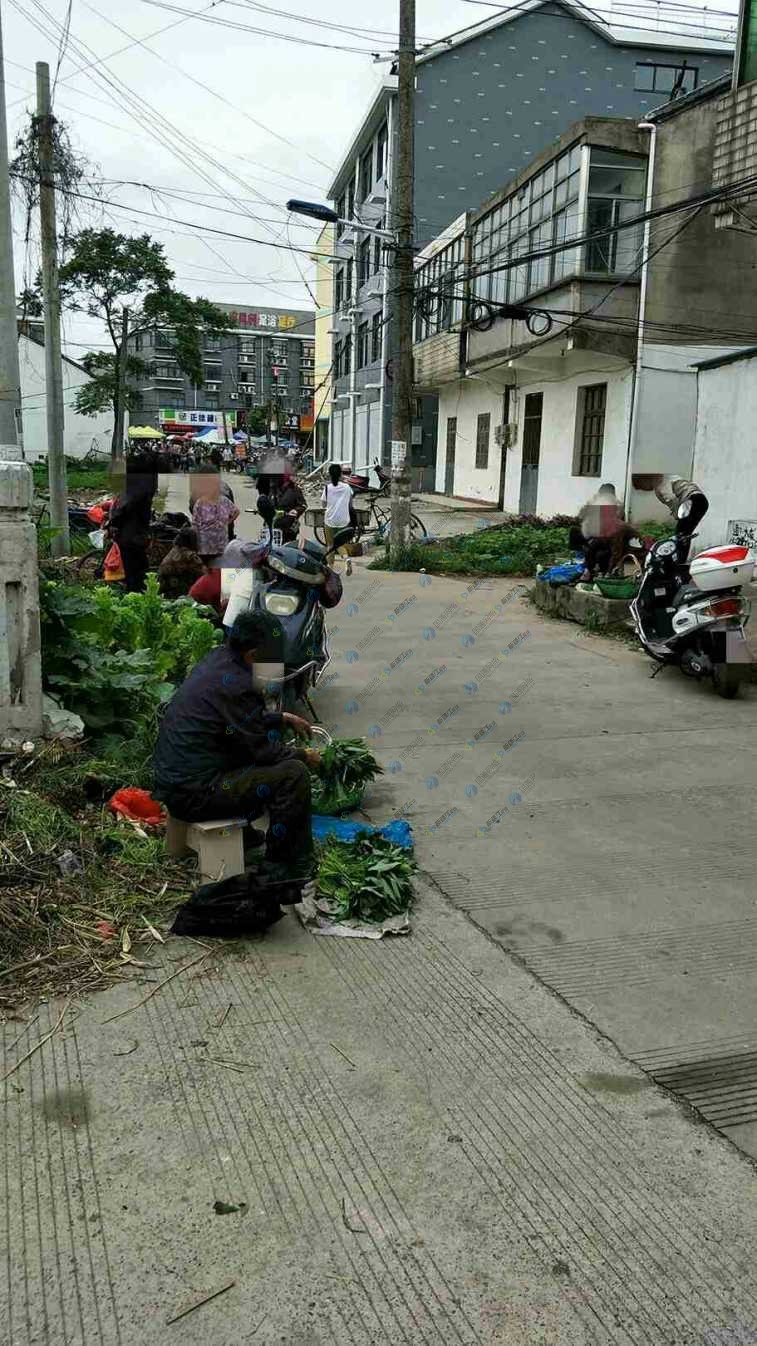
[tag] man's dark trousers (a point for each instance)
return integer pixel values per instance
(281, 790)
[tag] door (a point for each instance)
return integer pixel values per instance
(449, 464)
(529, 472)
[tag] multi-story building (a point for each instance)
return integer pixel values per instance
(321, 255)
(488, 103)
(265, 360)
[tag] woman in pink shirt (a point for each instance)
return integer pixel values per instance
(212, 513)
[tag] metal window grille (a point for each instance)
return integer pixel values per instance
(483, 428)
(592, 429)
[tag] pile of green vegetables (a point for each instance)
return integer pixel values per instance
(114, 658)
(347, 766)
(368, 879)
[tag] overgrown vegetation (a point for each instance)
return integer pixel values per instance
(80, 893)
(114, 658)
(513, 548)
(504, 549)
(347, 766)
(368, 879)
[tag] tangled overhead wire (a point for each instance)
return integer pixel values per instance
(482, 316)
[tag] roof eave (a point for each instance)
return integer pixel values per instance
(380, 98)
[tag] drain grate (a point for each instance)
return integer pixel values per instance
(722, 1088)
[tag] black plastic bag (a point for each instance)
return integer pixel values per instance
(242, 905)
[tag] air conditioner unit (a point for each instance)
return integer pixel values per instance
(233, 397)
(510, 437)
(499, 434)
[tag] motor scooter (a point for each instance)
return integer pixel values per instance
(693, 614)
(287, 581)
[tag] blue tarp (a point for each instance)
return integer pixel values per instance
(399, 831)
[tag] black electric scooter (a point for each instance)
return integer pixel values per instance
(287, 581)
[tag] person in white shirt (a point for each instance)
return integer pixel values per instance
(337, 499)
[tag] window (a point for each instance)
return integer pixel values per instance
(212, 343)
(377, 245)
(376, 326)
(347, 354)
(339, 289)
(678, 79)
(380, 153)
(439, 286)
(246, 345)
(166, 371)
(616, 192)
(482, 439)
(211, 401)
(351, 200)
(590, 430)
(366, 174)
(341, 207)
(138, 342)
(364, 262)
(362, 345)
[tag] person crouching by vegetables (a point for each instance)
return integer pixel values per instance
(220, 751)
(181, 566)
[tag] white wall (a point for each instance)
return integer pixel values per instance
(467, 400)
(79, 431)
(725, 463)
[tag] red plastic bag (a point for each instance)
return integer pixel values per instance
(138, 806)
(113, 566)
(99, 513)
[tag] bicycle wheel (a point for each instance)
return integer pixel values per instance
(90, 566)
(418, 528)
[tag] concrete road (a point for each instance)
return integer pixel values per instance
(433, 1140)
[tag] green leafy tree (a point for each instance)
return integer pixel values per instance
(105, 273)
(257, 420)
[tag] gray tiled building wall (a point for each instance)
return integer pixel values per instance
(485, 109)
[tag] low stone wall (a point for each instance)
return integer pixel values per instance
(576, 605)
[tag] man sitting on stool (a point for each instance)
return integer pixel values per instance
(220, 751)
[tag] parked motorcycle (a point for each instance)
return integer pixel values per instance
(693, 614)
(294, 584)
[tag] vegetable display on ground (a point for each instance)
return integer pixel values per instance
(368, 879)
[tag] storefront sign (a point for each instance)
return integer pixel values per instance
(197, 418)
(278, 322)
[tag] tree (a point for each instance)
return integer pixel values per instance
(256, 420)
(105, 273)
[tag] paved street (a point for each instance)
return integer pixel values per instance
(454, 1137)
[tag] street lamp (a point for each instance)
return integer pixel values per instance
(316, 211)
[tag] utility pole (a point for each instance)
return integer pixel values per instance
(402, 280)
(56, 462)
(117, 447)
(10, 382)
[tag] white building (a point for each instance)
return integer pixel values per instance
(82, 434)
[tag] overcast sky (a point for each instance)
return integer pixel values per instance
(272, 117)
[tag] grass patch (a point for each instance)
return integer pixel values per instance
(80, 475)
(504, 549)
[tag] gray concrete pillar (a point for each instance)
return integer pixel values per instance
(20, 658)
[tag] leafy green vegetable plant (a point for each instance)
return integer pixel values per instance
(368, 879)
(347, 766)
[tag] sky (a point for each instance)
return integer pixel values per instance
(253, 119)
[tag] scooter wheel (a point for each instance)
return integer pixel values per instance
(727, 680)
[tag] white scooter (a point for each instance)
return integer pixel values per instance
(693, 614)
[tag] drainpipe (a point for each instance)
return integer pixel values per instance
(633, 419)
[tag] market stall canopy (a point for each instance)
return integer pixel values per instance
(144, 432)
(213, 436)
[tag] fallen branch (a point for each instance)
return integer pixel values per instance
(36, 1046)
(200, 1303)
(157, 988)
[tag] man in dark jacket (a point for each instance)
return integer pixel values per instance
(220, 751)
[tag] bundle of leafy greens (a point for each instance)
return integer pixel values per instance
(368, 879)
(347, 766)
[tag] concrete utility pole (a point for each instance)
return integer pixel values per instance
(56, 462)
(117, 447)
(10, 382)
(402, 279)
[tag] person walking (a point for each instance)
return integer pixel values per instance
(291, 505)
(338, 511)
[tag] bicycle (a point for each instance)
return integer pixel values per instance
(381, 515)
